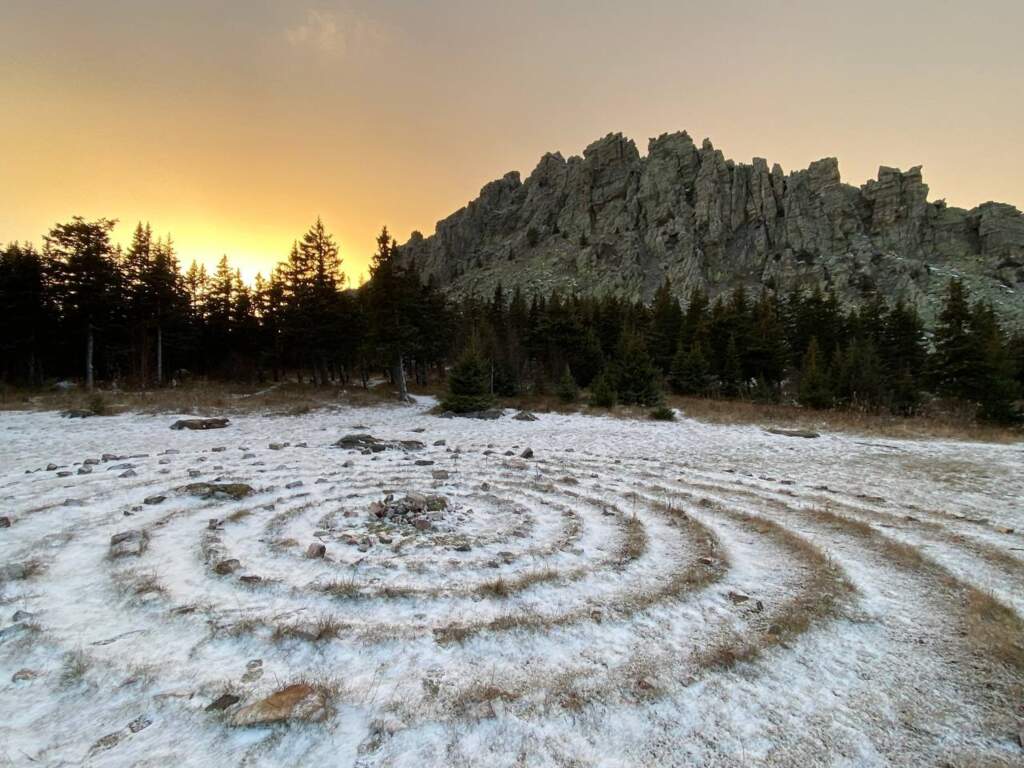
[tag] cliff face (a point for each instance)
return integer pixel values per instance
(613, 221)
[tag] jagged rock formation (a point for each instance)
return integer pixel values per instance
(615, 221)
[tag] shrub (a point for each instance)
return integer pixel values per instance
(663, 414)
(98, 405)
(568, 392)
(602, 392)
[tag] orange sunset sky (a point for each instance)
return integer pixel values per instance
(232, 124)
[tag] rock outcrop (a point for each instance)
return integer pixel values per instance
(615, 221)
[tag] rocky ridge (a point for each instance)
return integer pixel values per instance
(614, 221)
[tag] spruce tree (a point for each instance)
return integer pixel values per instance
(815, 391)
(636, 377)
(602, 390)
(690, 372)
(567, 392)
(468, 384)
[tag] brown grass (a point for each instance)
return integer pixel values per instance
(198, 397)
(946, 424)
(320, 630)
(992, 628)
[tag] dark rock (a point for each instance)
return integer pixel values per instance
(219, 490)
(524, 416)
(200, 424)
(316, 550)
(153, 500)
(128, 544)
(51, 467)
(5, 522)
(227, 567)
(423, 462)
(805, 433)
(370, 444)
(527, 454)
(222, 702)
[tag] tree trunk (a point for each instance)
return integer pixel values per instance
(159, 356)
(88, 359)
(398, 375)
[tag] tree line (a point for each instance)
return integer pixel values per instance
(83, 307)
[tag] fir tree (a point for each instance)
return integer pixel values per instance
(815, 391)
(567, 392)
(602, 390)
(468, 384)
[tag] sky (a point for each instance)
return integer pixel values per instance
(233, 124)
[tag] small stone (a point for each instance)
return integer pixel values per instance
(293, 484)
(24, 674)
(152, 500)
(421, 524)
(254, 663)
(250, 579)
(51, 467)
(23, 616)
(213, 524)
(140, 723)
(277, 446)
(423, 462)
(222, 702)
(527, 454)
(128, 473)
(64, 473)
(128, 543)
(439, 474)
(316, 550)
(5, 522)
(737, 597)
(226, 567)
(462, 546)
(85, 470)
(439, 442)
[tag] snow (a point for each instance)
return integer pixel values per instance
(596, 661)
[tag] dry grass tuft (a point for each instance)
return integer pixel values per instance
(320, 630)
(343, 589)
(74, 667)
(994, 628)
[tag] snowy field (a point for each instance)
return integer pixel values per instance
(634, 594)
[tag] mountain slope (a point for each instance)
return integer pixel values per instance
(615, 221)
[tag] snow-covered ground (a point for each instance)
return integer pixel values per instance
(635, 593)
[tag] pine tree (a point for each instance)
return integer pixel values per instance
(815, 391)
(468, 384)
(392, 308)
(567, 391)
(87, 281)
(602, 390)
(636, 377)
(958, 358)
(690, 372)
(666, 322)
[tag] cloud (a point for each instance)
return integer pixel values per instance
(333, 33)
